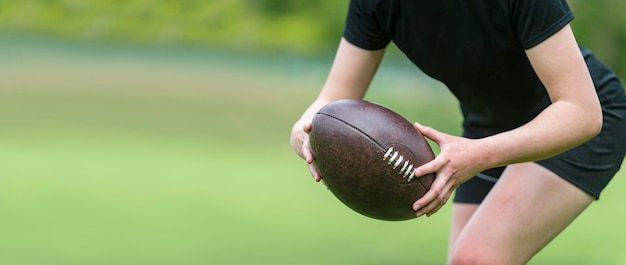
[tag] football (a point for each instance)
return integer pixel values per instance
(366, 154)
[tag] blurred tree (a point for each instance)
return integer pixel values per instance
(282, 7)
(309, 27)
(601, 26)
(325, 16)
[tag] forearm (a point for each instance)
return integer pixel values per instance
(560, 127)
(574, 116)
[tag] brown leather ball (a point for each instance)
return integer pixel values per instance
(366, 154)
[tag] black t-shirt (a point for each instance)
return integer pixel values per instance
(475, 47)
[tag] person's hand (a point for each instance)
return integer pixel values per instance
(300, 144)
(457, 162)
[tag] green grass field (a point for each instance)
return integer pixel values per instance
(136, 155)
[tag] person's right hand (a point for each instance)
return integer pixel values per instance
(300, 144)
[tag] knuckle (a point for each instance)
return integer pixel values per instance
(436, 196)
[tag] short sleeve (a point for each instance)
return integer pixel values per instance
(362, 27)
(536, 20)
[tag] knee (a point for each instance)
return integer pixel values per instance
(465, 258)
(475, 255)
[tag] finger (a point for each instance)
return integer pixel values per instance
(430, 167)
(433, 206)
(307, 152)
(309, 160)
(437, 186)
(427, 203)
(316, 175)
(307, 127)
(429, 132)
(423, 204)
(308, 156)
(430, 209)
(442, 199)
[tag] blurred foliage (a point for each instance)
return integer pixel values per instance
(309, 27)
(601, 26)
(298, 26)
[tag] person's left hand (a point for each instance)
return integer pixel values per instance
(459, 160)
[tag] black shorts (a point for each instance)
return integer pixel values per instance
(589, 166)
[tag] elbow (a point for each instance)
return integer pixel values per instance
(595, 124)
(591, 110)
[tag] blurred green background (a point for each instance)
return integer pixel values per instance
(157, 132)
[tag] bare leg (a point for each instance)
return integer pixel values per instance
(461, 213)
(524, 211)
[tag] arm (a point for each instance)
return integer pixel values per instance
(351, 73)
(573, 117)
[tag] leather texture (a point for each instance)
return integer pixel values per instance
(349, 139)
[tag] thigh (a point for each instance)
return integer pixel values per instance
(461, 213)
(524, 211)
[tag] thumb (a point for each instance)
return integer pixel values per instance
(428, 132)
